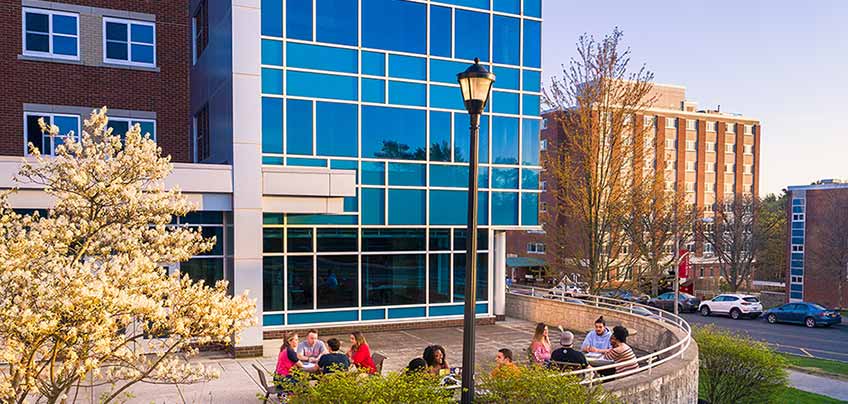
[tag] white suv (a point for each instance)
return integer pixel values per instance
(735, 305)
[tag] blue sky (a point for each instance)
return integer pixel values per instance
(782, 61)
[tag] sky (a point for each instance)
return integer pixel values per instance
(784, 62)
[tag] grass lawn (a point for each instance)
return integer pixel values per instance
(822, 365)
(795, 396)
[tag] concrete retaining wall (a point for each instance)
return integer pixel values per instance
(675, 381)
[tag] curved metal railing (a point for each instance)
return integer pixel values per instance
(646, 362)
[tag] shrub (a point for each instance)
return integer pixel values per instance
(737, 369)
(538, 385)
(355, 387)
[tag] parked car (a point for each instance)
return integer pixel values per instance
(734, 305)
(566, 290)
(627, 295)
(809, 314)
(686, 303)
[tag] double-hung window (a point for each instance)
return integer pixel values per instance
(69, 125)
(50, 33)
(129, 42)
(120, 126)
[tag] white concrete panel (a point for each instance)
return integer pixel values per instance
(247, 109)
(247, 176)
(343, 183)
(299, 184)
(199, 178)
(298, 204)
(219, 202)
(247, 235)
(248, 277)
(247, 3)
(246, 39)
(499, 280)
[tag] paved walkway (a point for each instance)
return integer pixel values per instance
(825, 386)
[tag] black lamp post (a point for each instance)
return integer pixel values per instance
(475, 83)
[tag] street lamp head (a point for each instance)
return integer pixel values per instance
(475, 83)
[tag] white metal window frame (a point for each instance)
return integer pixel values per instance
(798, 248)
(749, 149)
(692, 145)
(670, 122)
(535, 248)
(50, 33)
(132, 121)
(691, 124)
(730, 127)
(128, 23)
(44, 135)
(797, 217)
(690, 166)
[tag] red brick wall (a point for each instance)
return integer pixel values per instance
(821, 275)
(165, 92)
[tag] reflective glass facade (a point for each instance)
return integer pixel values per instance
(367, 85)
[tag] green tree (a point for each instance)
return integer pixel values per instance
(771, 257)
(535, 384)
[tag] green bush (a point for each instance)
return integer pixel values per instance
(355, 387)
(538, 385)
(736, 369)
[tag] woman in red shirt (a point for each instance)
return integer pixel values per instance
(287, 360)
(360, 354)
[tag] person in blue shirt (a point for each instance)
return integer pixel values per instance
(597, 340)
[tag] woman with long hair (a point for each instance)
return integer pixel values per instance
(360, 353)
(287, 359)
(540, 347)
(436, 359)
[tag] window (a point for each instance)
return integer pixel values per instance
(711, 146)
(504, 140)
(747, 169)
(200, 30)
(669, 185)
(506, 35)
(670, 122)
(691, 145)
(120, 126)
(729, 168)
(690, 187)
(797, 248)
(712, 126)
(543, 144)
(336, 21)
(335, 129)
(728, 188)
(543, 185)
(395, 279)
(749, 149)
(730, 148)
(796, 279)
(691, 124)
(202, 141)
(44, 142)
(709, 187)
(388, 133)
(544, 123)
(535, 248)
(797, 217)
(670, 143)
(543, 207)
(749, 129)
(532, 43)
(708, 248)
(690, 166)
(129, 42)
(710, 167)
(440, 31)
(648, 120)
(730, 127)
(50, 33)
(395, 25)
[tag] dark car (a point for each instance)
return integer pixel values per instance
(627, 295)
(665, 301)
(809, 314)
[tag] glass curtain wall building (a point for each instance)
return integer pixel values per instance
(370, 86)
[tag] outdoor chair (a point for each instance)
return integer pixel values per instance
(378, 362)
(565, 366)
(266, 388)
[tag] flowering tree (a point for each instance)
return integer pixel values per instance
(85, 301)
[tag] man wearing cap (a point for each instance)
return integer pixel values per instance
(565, 353)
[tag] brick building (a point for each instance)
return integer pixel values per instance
(817, 250)
(709, 155)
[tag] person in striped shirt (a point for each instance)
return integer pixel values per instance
(620, 352)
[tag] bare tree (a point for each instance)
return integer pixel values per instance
(831, 246)
(590, 167)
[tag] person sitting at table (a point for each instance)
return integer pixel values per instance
(620, 352)
(540, 347)
(360, 353)
(597, 340)
(505, 366)
(286, 360)
(436, 359)
(309, 350)
(416, 365)
(566, 353)
(334, 360)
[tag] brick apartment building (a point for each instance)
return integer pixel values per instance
(709, 155)
(817, 216)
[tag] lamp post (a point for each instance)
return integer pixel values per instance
(475, 84)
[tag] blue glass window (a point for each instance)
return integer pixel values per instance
(506, 78)
(532, 80)
(336, 21)
(403, 93)
(336, 240)
(440, 278)
(440, 240)
(505, 178)
(529, 209)
(336, 128)
(37, 31)
(508, 6)
(797, 240)
(533, 8)
(272, 18)
(456, 176)
(299, 240)
(299, 127)
(406, 206)
(394, 25)
(440, 136)
(272, 125)
(373, 173)
(531, 105)
(529, 179)
(394, 240)
(373, 206)
(506, 37)
(481, 4)
(304, 162)
(374, 63)
(462, 141)
(460, 243)
(321, 57)
(393, 133)
(337, 285)
(272, 52)
(532, 43)
(272, 81)
(127, 41)
(440, 31)
(459, 277)
(446, 97)
(504, 208)
(374, 90)
(505, 103)
(272, 283)
(504, 140)
(299, 20)
(468, 41)
(450, 207)
(300, 274)
(396, 279)
(530, 142)
(796, 295)
(407, 67)
(445, 71)
(407, 174)
(322, 85)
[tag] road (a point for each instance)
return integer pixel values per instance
(819, 342)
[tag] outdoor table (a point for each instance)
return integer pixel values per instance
(597, 359)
